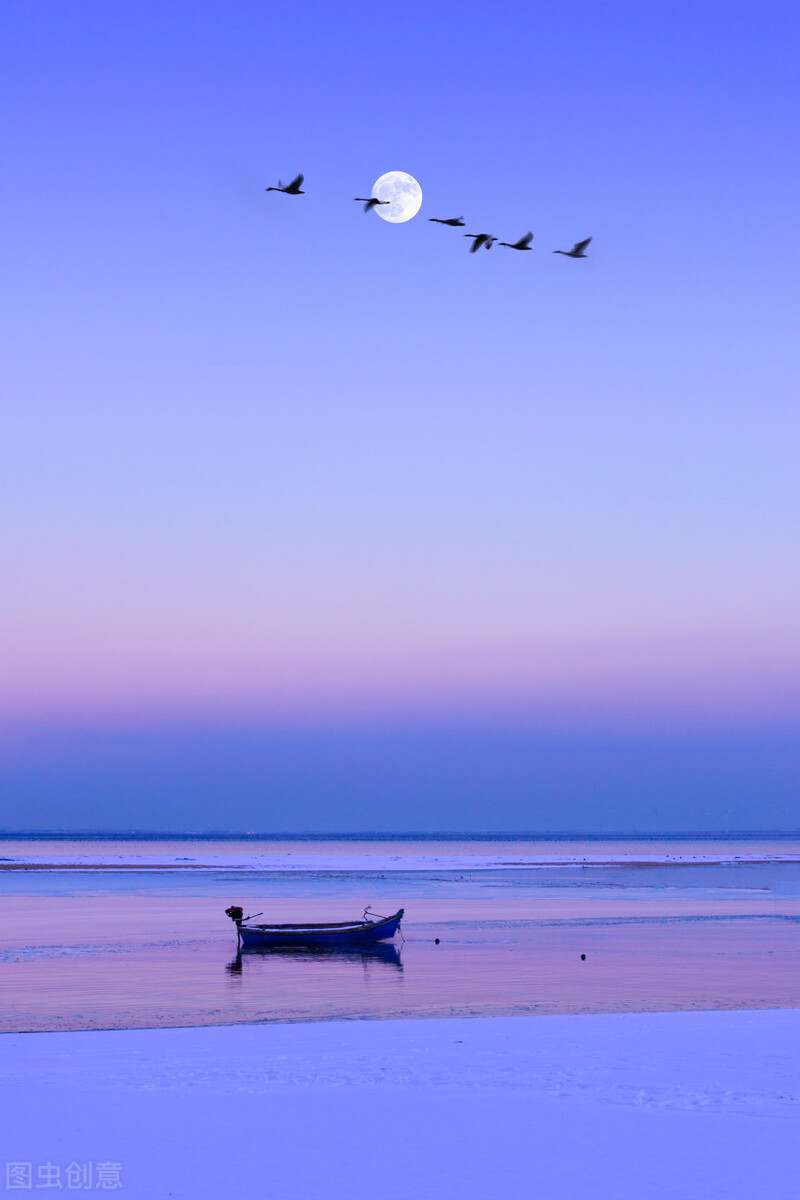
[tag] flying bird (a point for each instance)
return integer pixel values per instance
(480, 239)
(524, 243)
(576, 251)
(449, 221)
(291, 189)
(370, 204)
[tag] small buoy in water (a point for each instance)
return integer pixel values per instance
(436, 940)
(583, 958)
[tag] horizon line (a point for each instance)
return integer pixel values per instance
(378, 836)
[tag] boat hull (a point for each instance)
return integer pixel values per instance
(358, 934)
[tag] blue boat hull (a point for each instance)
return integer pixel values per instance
(357, 934)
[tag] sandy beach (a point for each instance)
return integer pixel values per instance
(634, 1107)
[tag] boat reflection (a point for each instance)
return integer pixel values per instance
(377, 953)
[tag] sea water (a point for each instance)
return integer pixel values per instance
(119, 933)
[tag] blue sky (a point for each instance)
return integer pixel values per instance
(276, 470)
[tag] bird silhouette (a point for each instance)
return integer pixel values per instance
(449, 221)
(370, 204)
(480, 239)
(291, 189)
(524, 243)
(576, 251)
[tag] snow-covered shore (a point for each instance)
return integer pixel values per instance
(359, 863)
(634, 1107)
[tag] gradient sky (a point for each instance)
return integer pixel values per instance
(312, 521)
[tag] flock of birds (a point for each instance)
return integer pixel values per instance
(487, 240)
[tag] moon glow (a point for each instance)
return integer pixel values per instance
(403, 193)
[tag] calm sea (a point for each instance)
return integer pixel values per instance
(145, 941)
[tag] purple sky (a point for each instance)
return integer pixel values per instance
(269, 462)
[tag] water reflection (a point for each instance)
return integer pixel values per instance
(380, 953)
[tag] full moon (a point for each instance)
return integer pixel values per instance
(403, 193)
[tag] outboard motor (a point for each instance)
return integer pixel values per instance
(235, 913)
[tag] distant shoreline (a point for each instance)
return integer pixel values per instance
(372, 836)
(377, 864)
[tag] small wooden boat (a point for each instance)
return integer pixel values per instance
(371, 928)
